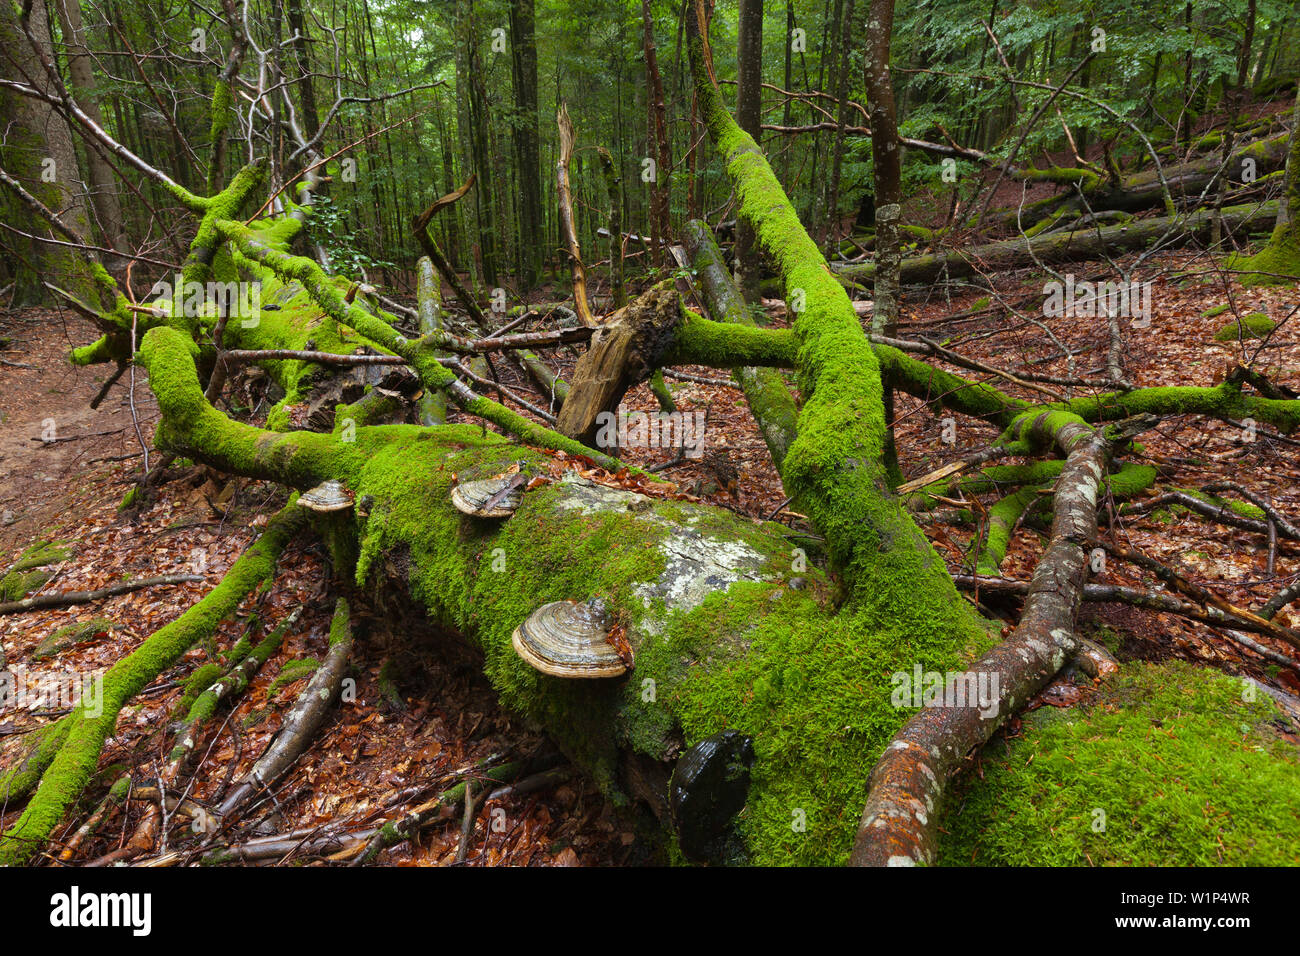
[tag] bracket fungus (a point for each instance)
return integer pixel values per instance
(327, 496)
(570, 639)
(491, 498)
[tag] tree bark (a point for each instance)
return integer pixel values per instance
(526, 137)
(657, 136)
(103, 184)
(749, 116)
(40, 153)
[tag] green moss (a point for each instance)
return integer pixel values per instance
(24, 773)
(811, 687)
(1185, 770)
(203, 677)
(1002, 521)
(1242, 508)
(1225, 400)
(69, 635)
(88, 728)
(292, 671)
(29, 571)
(1256, 325)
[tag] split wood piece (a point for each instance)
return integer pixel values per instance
(953, 468)
(625, 350)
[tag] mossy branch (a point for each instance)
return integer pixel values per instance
(420, 354)
(91, 722)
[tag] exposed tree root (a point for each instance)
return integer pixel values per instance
(899, 823)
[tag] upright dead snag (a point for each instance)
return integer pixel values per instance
(568, 228)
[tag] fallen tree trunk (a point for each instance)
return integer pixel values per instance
(1076, 246)
(768, 396)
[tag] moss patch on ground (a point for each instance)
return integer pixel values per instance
(29, 572)
(69, 635)
(1185, 768)
(1256, 325)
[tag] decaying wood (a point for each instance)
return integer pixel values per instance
(1073, 246)
(626, 349)
(69, 598)
(769, 397)
(303, 720)
(568, 229)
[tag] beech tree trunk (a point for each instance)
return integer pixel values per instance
(749, 115)
(38, 151)
(103, 184)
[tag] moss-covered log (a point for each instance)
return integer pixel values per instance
(1075, 246)
(769, 397)
(1279, 261)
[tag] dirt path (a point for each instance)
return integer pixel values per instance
(52, 399)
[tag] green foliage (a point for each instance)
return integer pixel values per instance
(331, 226)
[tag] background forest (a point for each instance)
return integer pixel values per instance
(417, 96)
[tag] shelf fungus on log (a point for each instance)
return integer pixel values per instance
(327, 496)
(491, 498)
(709, 787)
(570, 639)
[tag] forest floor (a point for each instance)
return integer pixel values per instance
(370, 752)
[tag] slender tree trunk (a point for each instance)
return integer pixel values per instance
(788, 78)
(749, 115)
(886, 156)
(837, 151)
(660, 224)
(478, 110)
(523, 52)
(38, 150)
(103, 185)
(306, 87)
